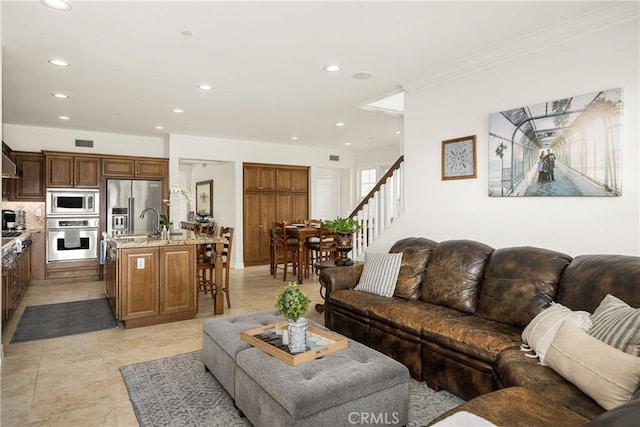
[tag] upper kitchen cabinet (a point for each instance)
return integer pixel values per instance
(31, 186)
(292, 179)
(134, 168)
(259, 177)
(64, 171)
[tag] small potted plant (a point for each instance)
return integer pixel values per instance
(344, 229)
(293, 304)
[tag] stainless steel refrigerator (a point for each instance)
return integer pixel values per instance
(126, 199)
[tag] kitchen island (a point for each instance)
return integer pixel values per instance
(149, 280)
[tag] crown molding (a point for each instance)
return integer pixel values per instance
(610, 15)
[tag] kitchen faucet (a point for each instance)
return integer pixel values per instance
(158, 229)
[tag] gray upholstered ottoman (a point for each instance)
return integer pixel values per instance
(354, 386)
(221, 343)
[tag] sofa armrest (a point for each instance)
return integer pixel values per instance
(336, 278)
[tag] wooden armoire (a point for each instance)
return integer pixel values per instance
(271, 193)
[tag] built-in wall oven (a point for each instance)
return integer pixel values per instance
(72, 239)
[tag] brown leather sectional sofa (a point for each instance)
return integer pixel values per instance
(460, 307)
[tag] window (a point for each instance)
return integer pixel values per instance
(367, 181)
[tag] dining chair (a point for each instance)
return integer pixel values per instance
(285, 250)
(227, 233)
(320, 248)
(205, 265)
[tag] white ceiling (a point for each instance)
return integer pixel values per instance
(130, 65)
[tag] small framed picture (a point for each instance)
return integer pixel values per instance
(204, 198)
(459, 158)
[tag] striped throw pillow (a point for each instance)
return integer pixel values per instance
(617, 324)
(380, 273)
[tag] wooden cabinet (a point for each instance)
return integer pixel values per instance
(72, 171)
(130, 168)
(259, 178)
(271, 193)
(259, 215)
(31, 187)
(38, 255)
(156, 284)
(292, 180)
(15, 280)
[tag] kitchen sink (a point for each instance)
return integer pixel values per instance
(133, 236)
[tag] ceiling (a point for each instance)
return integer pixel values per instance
(132, 63)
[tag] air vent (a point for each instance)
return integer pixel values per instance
(334, 158)
(84, 143)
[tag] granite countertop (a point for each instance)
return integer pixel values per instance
(181, 237)
(8, 241)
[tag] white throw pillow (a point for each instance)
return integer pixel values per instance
(380, 273)
(604, 373)
(540, 332)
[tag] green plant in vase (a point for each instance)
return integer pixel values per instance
(344, 229)
(292, 303)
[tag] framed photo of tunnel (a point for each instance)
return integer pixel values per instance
(564, 147)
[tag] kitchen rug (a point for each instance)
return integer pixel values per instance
(178, 391)
(39, 322)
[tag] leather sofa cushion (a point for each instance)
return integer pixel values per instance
(589, 278)
(412, 316)
(474, 336)
(519, 283)
(454, 274)
(415, 254)
(513, 368)
(357, 301)
(517, 406)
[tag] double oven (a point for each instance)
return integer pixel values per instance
(73, 218)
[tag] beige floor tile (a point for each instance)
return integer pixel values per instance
(69, 374)
(54, 402)
(76, 380)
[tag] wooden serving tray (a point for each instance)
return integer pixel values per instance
(273, 345)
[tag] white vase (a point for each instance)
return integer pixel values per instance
(298, 335)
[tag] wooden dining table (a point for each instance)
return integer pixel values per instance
(301, 234)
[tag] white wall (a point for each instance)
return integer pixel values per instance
(33, 138)
(461, 209)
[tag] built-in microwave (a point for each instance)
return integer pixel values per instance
(73, 202)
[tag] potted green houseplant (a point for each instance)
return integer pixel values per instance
(292, 303)
(344, 229)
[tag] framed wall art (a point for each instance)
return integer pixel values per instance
(562, 147)
(204, 198)
(459, 158)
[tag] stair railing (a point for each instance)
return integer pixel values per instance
(379, 208)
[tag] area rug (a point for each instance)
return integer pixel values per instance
(177, 391)
(40, 322)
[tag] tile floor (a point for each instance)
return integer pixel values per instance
(75, 380)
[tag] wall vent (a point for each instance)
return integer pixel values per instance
(84, 143)
(334, 158)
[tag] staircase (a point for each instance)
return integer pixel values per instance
(378, 209)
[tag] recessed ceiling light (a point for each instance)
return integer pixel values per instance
(58, 62)
(339, 124)
(294, 138)
(159, 127)
(60, 95)
(362, 75)
(177, 110)
(186, 33)
(63, 117)
(347, 143)
(332, 68)
(397, 132)
(57, 4)
(205, 87)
